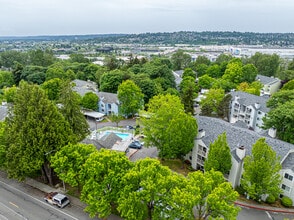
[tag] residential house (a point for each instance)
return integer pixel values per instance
(108, 103)
(240, 141)
(270, 85)
(249, 109)
(3, 111)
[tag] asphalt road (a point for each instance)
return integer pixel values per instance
(20, 203)
(253, 214)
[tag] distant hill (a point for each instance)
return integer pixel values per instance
(203, 38)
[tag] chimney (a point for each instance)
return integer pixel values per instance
(240, 151)
(257, 105)
(272, 132)
(201, 134)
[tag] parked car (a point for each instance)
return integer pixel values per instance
(129, 127)
(58, 199)
(136, 145)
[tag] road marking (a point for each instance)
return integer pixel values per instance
(44, 203)
(2, 216)
(13, 204)
(269, 215)
(16, 213)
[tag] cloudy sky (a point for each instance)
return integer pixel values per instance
(62, 17)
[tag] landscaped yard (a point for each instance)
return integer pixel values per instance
(177, 166)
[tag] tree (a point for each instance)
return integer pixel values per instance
(189, 72)
(34, 129)
(167, 119)
(103, 173)
(146, 192)
(8, 58)
(261, 171)
(112, 63)
(69, 161)
(249, 72)
(41, 58)
(180, 60)
(188, 92)
(216, 197)
(111, 80)
(115, 118)
(201, 69)
(212, 101)
(130, 98)
(266, 64)
(289, 85)
(234, 73)
(282, 119)
(78, 58)
(219, 157)
(6, 79)
(214, 71)
(9, 94)
(52, 88)
(55, 72)
(90, 101)
(71, 111)
(205, 81)
(223, 108)
(280, 97)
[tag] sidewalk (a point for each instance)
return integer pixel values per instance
(264, 208)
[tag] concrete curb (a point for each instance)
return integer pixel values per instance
(263, 208)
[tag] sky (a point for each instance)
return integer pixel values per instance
(71, 17)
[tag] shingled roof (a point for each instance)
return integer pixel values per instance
(249, 99)
(237, 136)
(3, 112)
(108, 97)
(265, 80)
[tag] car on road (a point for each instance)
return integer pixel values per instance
(136, 145)
(58, 199)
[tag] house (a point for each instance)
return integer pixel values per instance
(240, 141)
(108, 103)
(82, 87)
(270, 85)
(178, 76)
(249, 109)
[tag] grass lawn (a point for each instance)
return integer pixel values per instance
(177, 166)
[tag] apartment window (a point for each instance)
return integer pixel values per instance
(257, 118)
(259, 112)
(286, 188)
(288, 176)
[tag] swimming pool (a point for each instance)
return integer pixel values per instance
(121, 135)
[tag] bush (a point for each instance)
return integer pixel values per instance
(286, 201)
(270, 199)
(240, 190)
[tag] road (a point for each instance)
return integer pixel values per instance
(254, 214)
(17, 204)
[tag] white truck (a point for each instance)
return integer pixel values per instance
(58, 199)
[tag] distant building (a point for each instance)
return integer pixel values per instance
(270, 85)
(249, 109)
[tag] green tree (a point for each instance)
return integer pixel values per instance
(68, 162)
(266, 64)
(249, 72)
(168, 118)
(212, 101)
(6, 79)
(189, 72)
(34, 129)
(115, 118)
(205, 81)
(111, 80)
(223, 108)
(55, 72)
(9, 94)
(280, 97)
(2, 145)
(130, 98)
(188, 92)
(282, 119)
(234, 73)
(201, 69)
(289, 85)
(180, 60)
(52, 88)
(71, 111)
(146, 192)
(219, 157)
(217, 196)
(112, 63)
(103, 173)
(261, 171)
(8, 58)
(41, 58)
(214, 71)
(90, 101)
(78, 58)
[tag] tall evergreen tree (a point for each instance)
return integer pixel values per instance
(219, 156)
(71, 111)
(34, 130)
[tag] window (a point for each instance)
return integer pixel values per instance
(286, 188)
(288, 176)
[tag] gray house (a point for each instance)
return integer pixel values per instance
(240, 141)
(270, 85)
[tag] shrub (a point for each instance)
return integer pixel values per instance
(270, 199)
(240, 190)
(286, 201)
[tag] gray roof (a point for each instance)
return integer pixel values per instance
(108, 140)
(266, 80)
(237, 136)
(178, 76)
(3, 112)
(288, 163)
(82, 87)
(250, 99)
(108, 97)
(93, 142)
